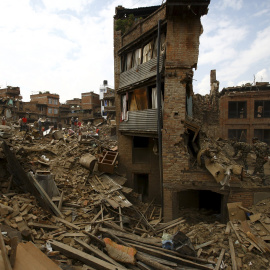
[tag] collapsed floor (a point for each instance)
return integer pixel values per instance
(86, 208)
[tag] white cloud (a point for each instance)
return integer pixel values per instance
(235, 4)
(263, 75)
(219, 41)
(247, 59)
(203, 87)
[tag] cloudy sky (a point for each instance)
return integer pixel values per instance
(66, 46)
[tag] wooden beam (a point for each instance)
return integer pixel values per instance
(220, 259)
(98, 253)
(152, 241)
(61, 201)
(67, 223)
(234, 264)
(4, 253)
(13, 244)
(43, 195)
(172, 258)
(83, 257)
(44, 226)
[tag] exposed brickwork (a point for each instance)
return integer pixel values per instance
(182, 54)
(52, 104)
(245, 197)
(206, 110)
(143, 26)
(250, 122)
(90, 101)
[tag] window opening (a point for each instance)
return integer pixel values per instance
(237, 109)
(263, 135)
(262, 108)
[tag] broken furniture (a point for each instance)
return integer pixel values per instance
(107, 161)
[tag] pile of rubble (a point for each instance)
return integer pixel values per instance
(58, 199)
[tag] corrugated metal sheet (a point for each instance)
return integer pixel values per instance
(140, 73)
(145, 120)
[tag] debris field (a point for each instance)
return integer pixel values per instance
(63, 207)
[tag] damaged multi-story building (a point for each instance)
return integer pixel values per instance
(155, 54)
(10, 100)
(86, 109)
(237, 113)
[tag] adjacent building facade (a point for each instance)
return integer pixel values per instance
(47, 105)
(245, 112)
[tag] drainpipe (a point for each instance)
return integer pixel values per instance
(159, 112)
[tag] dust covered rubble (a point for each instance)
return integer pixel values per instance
(91, 213)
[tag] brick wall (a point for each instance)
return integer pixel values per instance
(143, 26)
(206, 110)
(245, 197)
(44, 99)
(182, 51)
(128, 168)
(90, 101)
(249, 123)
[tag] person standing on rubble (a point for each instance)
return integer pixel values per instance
(245, 149)
(72, 123)
(40, 126)
(46, 124)
(60, 126)
(76, 124)
(24, 123)
(262, 152)
(20, 123)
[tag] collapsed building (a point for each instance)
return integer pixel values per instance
(10, 100)
(238, 113)
(47, 105)
(163, 150)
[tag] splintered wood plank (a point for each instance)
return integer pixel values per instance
(220, 259)
(150, 263)
(83, 257)
(44, 226)
(98, 253)
(228, 229)
(205, 244)
(234, 264)
(44, 196)
(167, 256)
(4, 253)
(61, 201)
(29, 257)
(13, 244)
(236, 233)
(67, 223)
(152, 241)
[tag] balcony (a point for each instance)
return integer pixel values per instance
(109, 109)
(139, 74)
(143, 122)
(109, 95)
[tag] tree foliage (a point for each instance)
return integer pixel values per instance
(124, 24)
